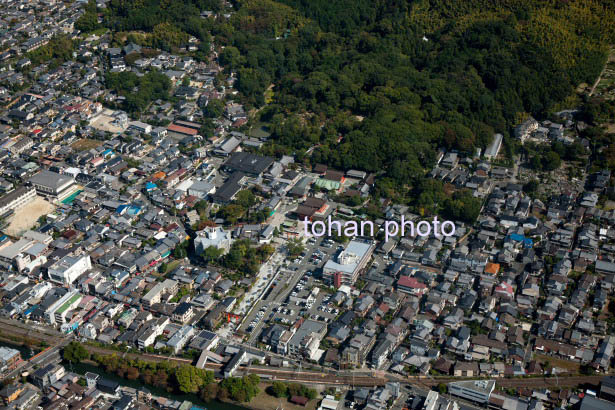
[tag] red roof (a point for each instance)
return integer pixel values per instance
(182, 130)
(504, 287)
(299, 400)
(410, 282)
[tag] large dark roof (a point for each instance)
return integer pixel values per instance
(248, 163)
(226, 192)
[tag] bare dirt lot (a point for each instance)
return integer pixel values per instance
(265, 401)
(85, 144)
(26, 217)
(570, 366)
(104, 122)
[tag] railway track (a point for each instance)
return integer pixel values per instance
(364, 378)
(16, 328)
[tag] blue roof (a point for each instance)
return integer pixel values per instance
(150, 185)
(516, 237)
(200, 278)
(133, 210)
(30, 310)
(121, 208)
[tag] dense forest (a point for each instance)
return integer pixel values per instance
(379, 85)
(139, 91)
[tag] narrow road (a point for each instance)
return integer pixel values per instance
(611, 57)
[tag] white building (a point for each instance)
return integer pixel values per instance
(329, 403)
(477, 391)
(525, 129)
(346, 267)
(494, 148)
(201, 189)
(140, 127)
(39, 290)
(16, 199)
(167, 288)
(213, 236)
(149, 332)
(180, 338)
(69, 268)
(56, 313)
(88, 331)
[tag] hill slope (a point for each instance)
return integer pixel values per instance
(398, 78)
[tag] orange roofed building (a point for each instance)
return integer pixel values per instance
(492, 268)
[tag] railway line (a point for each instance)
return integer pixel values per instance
(20, 329)
(364, 378)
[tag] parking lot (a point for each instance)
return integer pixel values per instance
(289, 298)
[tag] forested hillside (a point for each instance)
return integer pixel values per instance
(395, 78)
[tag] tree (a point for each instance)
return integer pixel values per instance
(87, 22)
(551, 161)
(463, 206)
(132, 373)
(296, 389)
(209, 392)
(231, 213)
(75, 353)
(211, 253)
(230, 57)
(481, 70)
(279, 389)
(531, 187)
(241, 389)
(58, 50)
(442, 389)
(245, 198)
(181, 250)
(295, 247)
(214, 108)
(190, 379)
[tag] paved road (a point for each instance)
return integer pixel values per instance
(285, 280)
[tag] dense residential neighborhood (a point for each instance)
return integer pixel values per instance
(154, 226)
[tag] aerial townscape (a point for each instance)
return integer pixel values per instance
(179, 180)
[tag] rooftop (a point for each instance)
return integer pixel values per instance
(50, 179)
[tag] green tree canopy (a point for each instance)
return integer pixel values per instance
(75, 352)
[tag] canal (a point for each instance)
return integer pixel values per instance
(82, 368)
